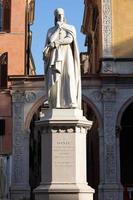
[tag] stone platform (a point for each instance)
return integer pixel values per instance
(63, 156)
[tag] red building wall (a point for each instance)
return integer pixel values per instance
(6, 114)
(14, 41)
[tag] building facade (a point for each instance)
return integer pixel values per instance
(108, 29)
(15, 59)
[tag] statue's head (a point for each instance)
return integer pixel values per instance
(59, 15)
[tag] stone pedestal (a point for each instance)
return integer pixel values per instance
(63, 156)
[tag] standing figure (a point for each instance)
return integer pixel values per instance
(62, 65)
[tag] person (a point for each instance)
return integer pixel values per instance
(62, 64)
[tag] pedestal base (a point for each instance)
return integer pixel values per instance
(64, 192)
(113, 190)
(63, 172)
(20, 192)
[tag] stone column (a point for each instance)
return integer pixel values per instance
(3, 178)
(20, 158)
(110, 187)
(63, 156)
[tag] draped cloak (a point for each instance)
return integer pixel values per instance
(62, 69)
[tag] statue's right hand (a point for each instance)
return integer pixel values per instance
(51, 45)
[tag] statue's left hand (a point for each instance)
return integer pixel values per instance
(57, 43)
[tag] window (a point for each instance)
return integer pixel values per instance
(5, 15)
(3, 70)
(1, 14)
(2, 127)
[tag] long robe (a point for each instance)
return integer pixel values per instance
(62, 68)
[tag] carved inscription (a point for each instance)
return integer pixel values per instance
(63, 153)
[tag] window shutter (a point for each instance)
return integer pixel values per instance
(6, 15)
(3, 70)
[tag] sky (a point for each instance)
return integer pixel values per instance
(44, 19)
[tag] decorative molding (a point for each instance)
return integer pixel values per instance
(20, 144)
(78, 130)
(110, 172)
(109, 94)
(39, 101)
(18, 96)
(53, 131)
(18, 141)
(97, 95)
(70, 130)
(117, 131)
(30, 97)
(109, 123)
(106, 94)
(107, 67)
(23, 96)
(109, 138)
(107, 27)
(61, 129)
(18, 171)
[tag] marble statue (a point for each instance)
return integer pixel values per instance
(62, 64)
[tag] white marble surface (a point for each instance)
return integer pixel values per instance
(62, 64)
(64, 156)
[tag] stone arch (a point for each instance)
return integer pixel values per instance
(95, 109)
(93, 145)
(124, 143)
(122, 109)
(33, 144)
(34, 108)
